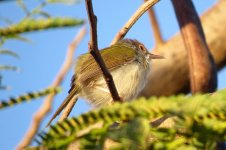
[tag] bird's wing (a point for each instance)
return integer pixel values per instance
(114, 57)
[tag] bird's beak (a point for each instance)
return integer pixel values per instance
(153, 56)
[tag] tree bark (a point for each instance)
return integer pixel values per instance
(202, 69)
(171, 75)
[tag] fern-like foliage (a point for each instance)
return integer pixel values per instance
(34, 19)
(8, 67)
(29, 25)
(29, 96)
(198, 122)
(9, 52)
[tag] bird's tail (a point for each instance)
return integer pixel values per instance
(71, 95)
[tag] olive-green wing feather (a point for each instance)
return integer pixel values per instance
(112, 57)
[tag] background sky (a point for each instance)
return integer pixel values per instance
(41, 60)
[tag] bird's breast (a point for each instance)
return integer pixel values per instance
(130, 79)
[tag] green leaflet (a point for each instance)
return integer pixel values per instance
(7, 67)
(199, 122)
(29, 25)
(9, 52)
(28, 96)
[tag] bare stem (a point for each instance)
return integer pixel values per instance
(141, 10)
(93, 48)
(155, 27)
(68, 109)
(46, 106)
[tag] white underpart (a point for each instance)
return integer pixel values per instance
(102, 89)
(129, 80)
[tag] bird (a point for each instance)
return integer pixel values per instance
(129, 63)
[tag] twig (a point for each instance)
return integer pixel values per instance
(68, 109)
(142, 9)
(46, 107)
(202, 68)
(155, 27)
(93, 48)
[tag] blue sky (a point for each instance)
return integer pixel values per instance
(41, 60)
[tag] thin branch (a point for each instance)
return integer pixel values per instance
(68, 109)
(155, 27)
(93, 48)
(46, 107)
(203, 75)
(142, 9)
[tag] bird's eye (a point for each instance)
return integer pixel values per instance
(142, 48)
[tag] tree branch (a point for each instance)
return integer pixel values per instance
(202, 70)
(171, 74)
(46, 106)
(141, 10)
(93, 48)
(155, 27)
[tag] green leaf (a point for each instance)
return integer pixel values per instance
(29, 25)
(23, 6)
(29, 96)
(6, 20)
(9, 52)
(124, 135)
(20, 38)
(198, 122)
(43, 13)
(6, 67)
(4, 87)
